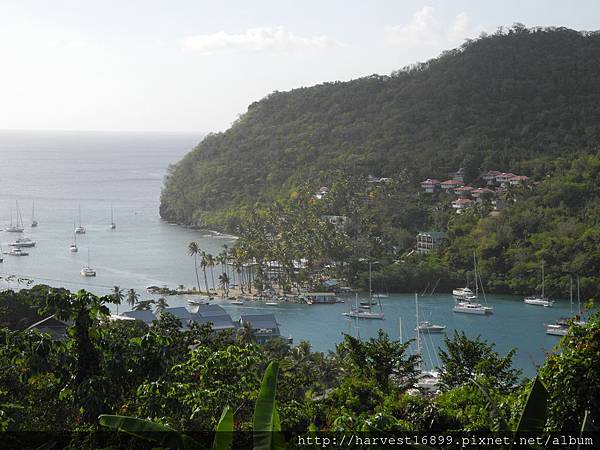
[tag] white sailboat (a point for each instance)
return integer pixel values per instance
(34, 222)
(561, 326)
(73, 248)
(23, 242)
(539, 300)
(112, 225)
(469, 304)
(80, 229)
(18, 228)
(367, 313)
(87, 271)
(427, 380)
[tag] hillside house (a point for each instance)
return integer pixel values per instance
(490, 176)
(430, 185)
(518, 180)
(463, 191)
(450, 185)
(461, 204)
(430, 240)
(482, 194)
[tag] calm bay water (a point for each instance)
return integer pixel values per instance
(63, 171)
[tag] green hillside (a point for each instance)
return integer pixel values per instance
(492, 103)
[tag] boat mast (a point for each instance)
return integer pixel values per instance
(476, 278)
(370, 290)
(418, 341)
(356, 326)
(571, 292)
(578, 299)
(542, 278)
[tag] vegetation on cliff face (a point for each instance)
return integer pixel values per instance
(495, 102)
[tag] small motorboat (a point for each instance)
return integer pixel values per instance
(272, 303)
(428, 327)
(237, 302)
(16, 252)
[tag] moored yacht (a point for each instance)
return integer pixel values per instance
(427, 327)
(80, 229)
(16, 252)
(18, 228)
(87, 271)
(472, 308)
(466, 301)
(358, 314)
(23, 242)
(463, 294)
(539, 300)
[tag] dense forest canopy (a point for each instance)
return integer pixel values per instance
(496, 102)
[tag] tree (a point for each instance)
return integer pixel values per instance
(224, 283)
(161, 304)
(204, 264)
(194, 250)
(132, 297)
(465, 359)
(118, 296)
(380, 359)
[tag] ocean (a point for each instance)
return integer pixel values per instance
(64, 172)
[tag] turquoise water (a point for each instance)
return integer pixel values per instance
(62, 171)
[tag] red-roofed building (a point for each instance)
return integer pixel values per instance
(430, 185)
(490, 176)
(461, 204)
(504, 177)
(481, 194)
(450, 185)
(464, 191)
(518, 179)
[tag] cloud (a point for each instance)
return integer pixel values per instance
(426, 29)
(256, 40)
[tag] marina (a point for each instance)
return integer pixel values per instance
(144, 251)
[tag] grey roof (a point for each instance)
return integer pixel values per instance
(435, 234)
(260, 321)
(219, 322)
(56, 328)
(211, 310)
(145, 316)
(180, 312)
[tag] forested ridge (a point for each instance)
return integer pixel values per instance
(496, 102)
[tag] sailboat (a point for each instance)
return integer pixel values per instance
(367, 313)
(561, 326)
(427, 380)
(73, 248)
(87, 271)
(1, 253)
(18, 228)
(80, 229)
(34, 223)
(424, 326)
(539, 300)
(468, 304)
(112, 225)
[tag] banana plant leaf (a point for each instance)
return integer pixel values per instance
(224, 430)
(266, 425)
(533, 417)
(151, 431)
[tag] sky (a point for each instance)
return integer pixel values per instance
(195, 66)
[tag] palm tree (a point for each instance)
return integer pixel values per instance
(132, 297)
(144, 305)
(203, 264)
(118, 296)
(210, 259)
(194, 250)
(161, 304)
(224, 283)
